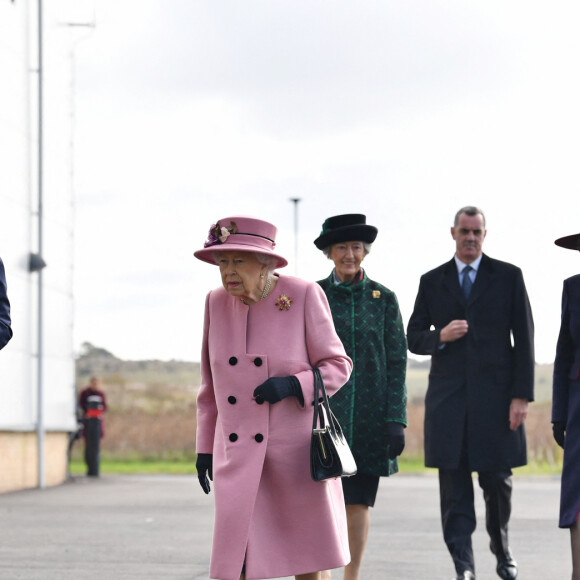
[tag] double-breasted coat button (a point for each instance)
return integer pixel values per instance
(258, 361)
(259, 437)
(233, 360)
(232, 400)
(259, 399)
(233, 437)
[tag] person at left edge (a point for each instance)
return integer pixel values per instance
(263, 332)
(5, 323)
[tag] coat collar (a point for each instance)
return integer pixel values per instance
(341, 287)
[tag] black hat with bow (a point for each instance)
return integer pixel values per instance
(350, 227)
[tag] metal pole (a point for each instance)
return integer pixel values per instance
(72, 149)
(295, 200)
(40, 394)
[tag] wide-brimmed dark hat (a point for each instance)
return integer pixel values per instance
(240, 234)
(570, 242)
(349, 227)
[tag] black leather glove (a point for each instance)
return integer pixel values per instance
(395, 439)
(277, 388)
(559, 430)
(204, 466)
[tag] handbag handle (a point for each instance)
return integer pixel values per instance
(321, 408)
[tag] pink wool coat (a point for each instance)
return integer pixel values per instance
(268, 511)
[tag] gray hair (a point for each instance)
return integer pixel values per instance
(469, 210)
(326, 251)
(269, 261)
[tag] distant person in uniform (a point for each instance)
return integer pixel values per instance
(473, 316)
(566, 405)
(5, 328)
(93, 403)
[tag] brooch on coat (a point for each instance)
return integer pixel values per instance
(376, 293)
(284, 302)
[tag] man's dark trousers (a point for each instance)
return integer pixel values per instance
(458, 512)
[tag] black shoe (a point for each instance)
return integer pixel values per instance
(507, 569)
(467, 575)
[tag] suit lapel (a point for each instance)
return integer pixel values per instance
(484, 278)
(451, 280)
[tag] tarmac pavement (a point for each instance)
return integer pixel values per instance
(125, 527)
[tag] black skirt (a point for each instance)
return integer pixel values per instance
(360, 489)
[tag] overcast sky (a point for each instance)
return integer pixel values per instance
(188, 111)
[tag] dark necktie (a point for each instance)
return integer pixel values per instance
(467, 283)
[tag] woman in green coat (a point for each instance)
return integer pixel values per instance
(372, 406)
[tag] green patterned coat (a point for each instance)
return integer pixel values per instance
(368, 321)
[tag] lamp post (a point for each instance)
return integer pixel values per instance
(36, 261)
(295, 200)
(36, 264)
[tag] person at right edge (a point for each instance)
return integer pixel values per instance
(566, 405)
(473, 316)
(5, 328)
(372, 407)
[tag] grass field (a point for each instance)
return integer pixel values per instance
(150, 423)
(136, 466)
(187, 467)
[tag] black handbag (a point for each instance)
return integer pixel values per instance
(330, 455)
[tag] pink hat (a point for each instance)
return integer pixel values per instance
(241, 234)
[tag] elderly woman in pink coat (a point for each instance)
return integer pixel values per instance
(263, 333)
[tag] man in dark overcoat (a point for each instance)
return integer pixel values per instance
(473, 316)
(5, 328)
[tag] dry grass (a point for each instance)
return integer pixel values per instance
(147, 420)
(541, 445)
(154, 422)
(151, 436)
(151, 411)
